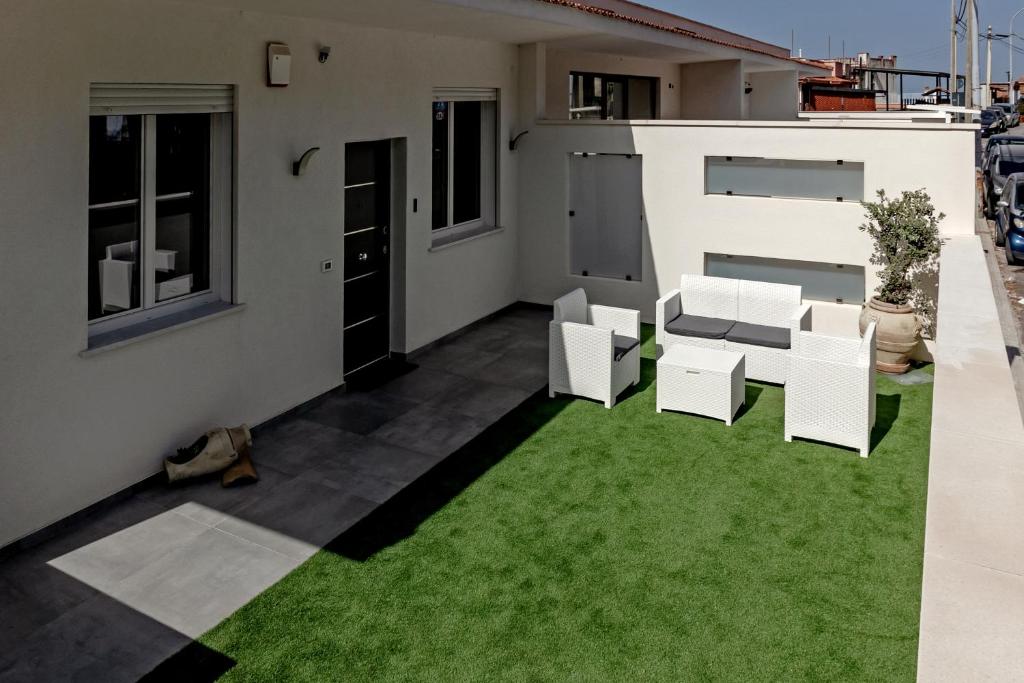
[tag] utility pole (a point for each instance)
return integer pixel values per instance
(969, 71)
(987, 96)
(1013, 93)
(952, 55)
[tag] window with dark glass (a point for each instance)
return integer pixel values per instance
(463, 158)
(466, 163)
(151, 210)
(607, 96)
(440, 165)
(182, 263)
(115, 214)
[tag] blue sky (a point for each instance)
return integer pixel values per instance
(917, 31)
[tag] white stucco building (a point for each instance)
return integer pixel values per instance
(164, 270)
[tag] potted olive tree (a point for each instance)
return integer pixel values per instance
(906, 235)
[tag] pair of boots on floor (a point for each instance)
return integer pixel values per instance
(227, 449)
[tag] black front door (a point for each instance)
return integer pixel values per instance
(367, 295)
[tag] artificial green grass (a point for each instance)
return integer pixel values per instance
(611, 545)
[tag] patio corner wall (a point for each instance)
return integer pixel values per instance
(682, 223)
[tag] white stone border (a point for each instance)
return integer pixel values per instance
(972, 598)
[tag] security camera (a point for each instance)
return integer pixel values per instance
(325, 52)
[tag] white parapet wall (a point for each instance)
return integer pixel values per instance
(682, 223)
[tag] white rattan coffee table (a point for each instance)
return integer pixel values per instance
(705, 382)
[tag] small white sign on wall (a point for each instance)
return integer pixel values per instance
(279, 65)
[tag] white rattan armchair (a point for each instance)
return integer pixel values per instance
(830, 395)
(594, 351)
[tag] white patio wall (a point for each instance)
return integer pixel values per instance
(74, 430)
(773, 95)
(714, 91)
(682, 223)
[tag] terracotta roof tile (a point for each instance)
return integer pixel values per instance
(612, 14)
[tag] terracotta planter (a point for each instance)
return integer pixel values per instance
(898, 332)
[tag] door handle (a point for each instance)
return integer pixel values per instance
(363, 256)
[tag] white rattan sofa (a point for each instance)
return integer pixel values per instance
(594, 351)
(757, 319)
(830, 395)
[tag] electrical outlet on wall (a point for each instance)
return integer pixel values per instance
(327, 266)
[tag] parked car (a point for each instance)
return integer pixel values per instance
(1010, 219)
(991, 122)
(1001, 114)
(1004, 161)
(1013, 116)
(996, 140)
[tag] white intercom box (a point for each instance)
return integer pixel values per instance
(279, 64)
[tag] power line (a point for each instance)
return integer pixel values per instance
(928, 51)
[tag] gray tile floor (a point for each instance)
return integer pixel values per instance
(116, 593)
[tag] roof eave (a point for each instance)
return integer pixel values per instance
(789, 62)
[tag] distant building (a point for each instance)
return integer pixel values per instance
(1000, 92)
(866, 83)
(848, 88)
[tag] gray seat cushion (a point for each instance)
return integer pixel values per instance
(624, 345)
(697, 326)
(759, 335)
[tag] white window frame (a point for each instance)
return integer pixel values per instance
(489, 163)
(221, 228)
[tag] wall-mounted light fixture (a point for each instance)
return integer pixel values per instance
(325, 52)
(514, 142)
(299, 167)
(747, 88)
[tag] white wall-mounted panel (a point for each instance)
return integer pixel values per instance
(606, 215)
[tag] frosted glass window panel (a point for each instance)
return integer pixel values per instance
(606, 216)
(820, 281)
(785, 178)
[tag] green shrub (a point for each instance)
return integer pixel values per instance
(906, 235)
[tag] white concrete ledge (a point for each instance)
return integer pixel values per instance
(804, 124)
(452, 240)
(972, 595)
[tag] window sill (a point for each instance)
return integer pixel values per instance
(108, 341)
(450, 240)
